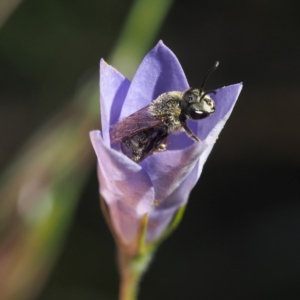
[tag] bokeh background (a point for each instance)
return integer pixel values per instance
(240, 236)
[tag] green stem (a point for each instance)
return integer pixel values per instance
(134, 260)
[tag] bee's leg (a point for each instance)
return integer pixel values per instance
(189, 132)
(163, 145)
(161, 135)
(130, 147)
(161, 139)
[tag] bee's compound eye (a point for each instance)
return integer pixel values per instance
(192, 98)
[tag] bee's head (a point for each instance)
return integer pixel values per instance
(198, 105)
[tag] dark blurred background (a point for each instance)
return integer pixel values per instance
(240, 236)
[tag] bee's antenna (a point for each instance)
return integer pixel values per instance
(207, 75)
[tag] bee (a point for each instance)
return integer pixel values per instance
(145, 132)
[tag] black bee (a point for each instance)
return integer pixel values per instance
(145, 132)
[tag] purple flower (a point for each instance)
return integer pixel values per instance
(161, 184)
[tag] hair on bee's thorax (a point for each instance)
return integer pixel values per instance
(167, 108)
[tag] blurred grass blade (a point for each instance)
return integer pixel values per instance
(7, 7)
(136, 38)
(40, 190)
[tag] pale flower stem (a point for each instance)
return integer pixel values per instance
(130, 277)
(129, 285)
(131, 271)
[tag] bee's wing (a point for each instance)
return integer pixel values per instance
(133, 124)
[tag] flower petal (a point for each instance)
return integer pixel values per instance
(176, 195)
(113, 90)
(158, 222)
(159, 72)
(168, 169)
(125, 186)
(224, 99)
